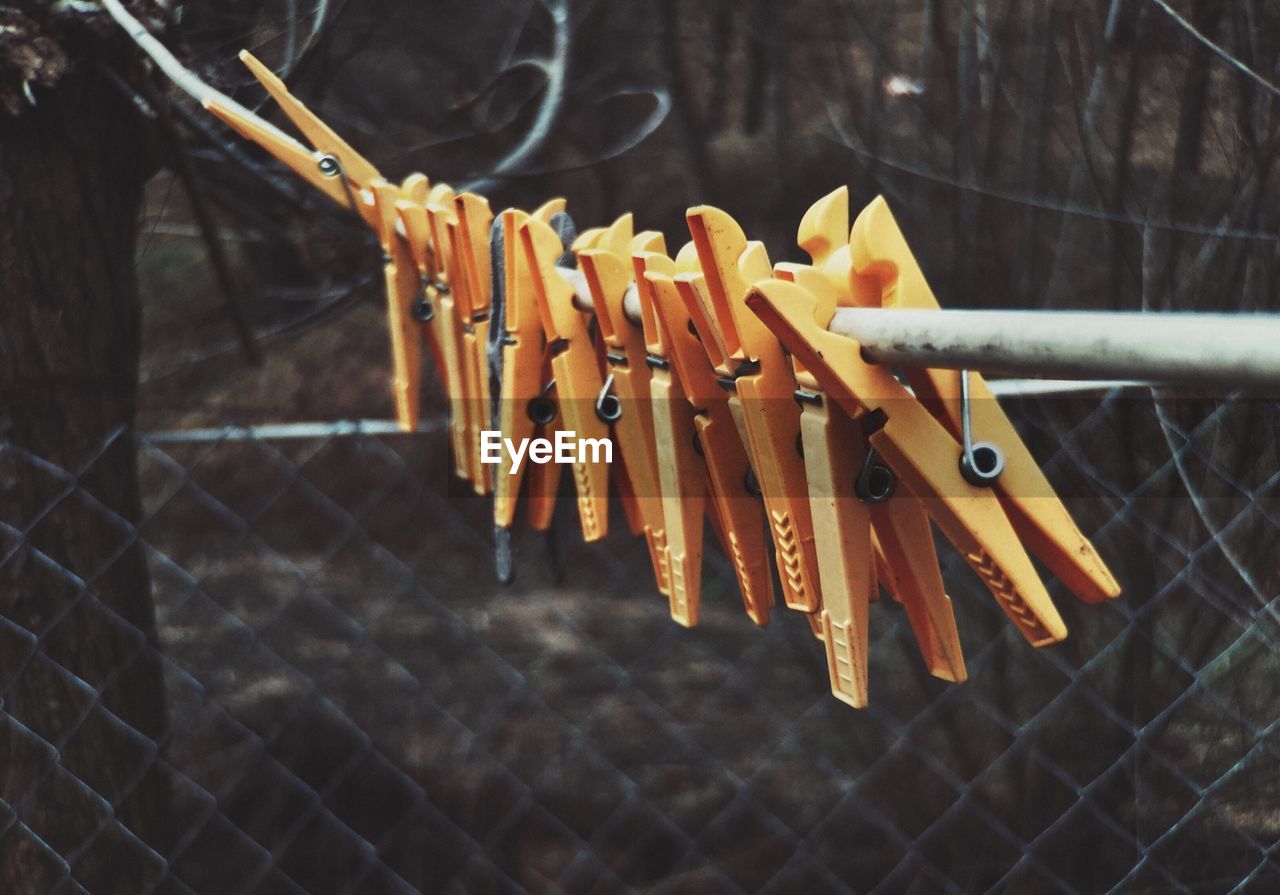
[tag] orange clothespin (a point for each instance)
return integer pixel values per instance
(527, 406)
(442, 219)
(577, 375)
(346, 177)
(682, 471)
(609, 405)
(855, 518)
(606, 266)
(859, 527)
(917, 450)
(471, 245)
(738, 513)
(880, 254)
(333, 167)
(750, 362)
(404, 289)
(412, 212)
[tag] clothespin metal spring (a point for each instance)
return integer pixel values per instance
(875, 482)
(331, 166)
(423, 310)
(981, 463)
(542, 409)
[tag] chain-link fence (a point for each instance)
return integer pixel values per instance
(354, 706)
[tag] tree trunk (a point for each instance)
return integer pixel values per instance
(83, 793)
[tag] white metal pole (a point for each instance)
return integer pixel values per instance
(1216, 350)
(1221, 350)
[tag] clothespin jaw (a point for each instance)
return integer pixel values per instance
(918, 451)
(738, 512)
(577, 374)
(881, 257)
(763, 383)
(609, 274)
(333, 167)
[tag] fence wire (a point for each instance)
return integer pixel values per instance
(353, 706)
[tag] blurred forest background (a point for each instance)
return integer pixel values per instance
(302, 678)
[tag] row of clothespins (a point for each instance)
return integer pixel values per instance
(715, 377)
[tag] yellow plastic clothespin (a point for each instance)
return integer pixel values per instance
(750, 363)
(738, 513)
(332, 167)
(918, 451)
(412, 211)
(577, 374)
(527, 401)
(607, 268)
(346, 177)
(471, 245)
(857, 528)
(608, 404)
(682, 471)
(442, 219)
(880, 254)
(404, 288)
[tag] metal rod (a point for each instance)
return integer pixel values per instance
(1231, 350)
(582, 295)
(1221, 350)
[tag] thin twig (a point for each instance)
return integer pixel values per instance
(183, 78)
(1195, 32)
(186, 173)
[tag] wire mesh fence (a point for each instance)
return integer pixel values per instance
(351, 705)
